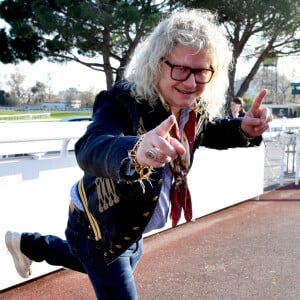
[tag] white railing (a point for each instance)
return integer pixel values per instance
(29, 116)
(36, 173)
(38, 167)
(280, 125)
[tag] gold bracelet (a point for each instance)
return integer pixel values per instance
(143, 171)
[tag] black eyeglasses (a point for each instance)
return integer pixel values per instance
(182, 73)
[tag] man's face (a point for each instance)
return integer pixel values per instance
(181, 94)
(235, 108)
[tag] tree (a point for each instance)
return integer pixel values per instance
(70, 95)
(257, 30)
(17, 92)
(38, 93)
(3, 98)
(87, 98)
(65, 30)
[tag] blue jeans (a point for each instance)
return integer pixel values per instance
(111, 282)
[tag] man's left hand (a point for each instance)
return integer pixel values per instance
(257, 118)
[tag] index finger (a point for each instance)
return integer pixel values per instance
(164, 128)
(259, 99)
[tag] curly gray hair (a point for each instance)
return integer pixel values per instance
(195, 28)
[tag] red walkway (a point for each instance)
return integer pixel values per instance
(248, 251)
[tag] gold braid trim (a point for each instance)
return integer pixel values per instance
(92, 220)
(143, 171)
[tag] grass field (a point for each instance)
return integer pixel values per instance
(62, 115)
(53, 115)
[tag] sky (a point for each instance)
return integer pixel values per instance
(288, 66)
(63, 75)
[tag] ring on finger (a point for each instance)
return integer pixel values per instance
(151, 154)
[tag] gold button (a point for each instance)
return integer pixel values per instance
(146, 214)
(127, 238)
(135, 228)
(119, 246)
(160, 181)
(155, 198)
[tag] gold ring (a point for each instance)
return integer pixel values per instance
(151, 154)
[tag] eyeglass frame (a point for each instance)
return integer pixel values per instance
(191, 71)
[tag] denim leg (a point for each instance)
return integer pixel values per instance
(54, 250)
(111, 282)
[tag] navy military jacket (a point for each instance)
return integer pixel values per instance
(121, 206)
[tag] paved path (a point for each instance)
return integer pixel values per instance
(249, 251)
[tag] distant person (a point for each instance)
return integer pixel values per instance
(138, 150)
(236, 108)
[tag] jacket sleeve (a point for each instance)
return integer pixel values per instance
(225, 133)
(107, 140)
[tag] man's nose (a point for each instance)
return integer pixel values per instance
(191, 80)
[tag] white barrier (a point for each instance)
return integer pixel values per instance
(29, 116)
(222, 178)
(35, 188)
(35, 192)
(277, 126)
